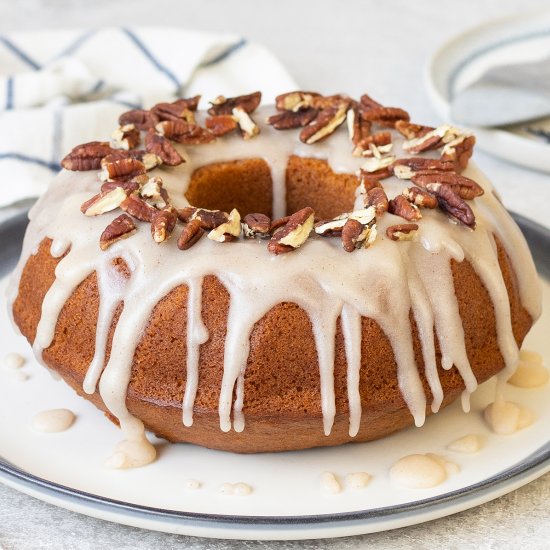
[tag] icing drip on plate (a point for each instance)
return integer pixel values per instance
(385, 283)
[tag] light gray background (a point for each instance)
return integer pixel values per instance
(379, 46)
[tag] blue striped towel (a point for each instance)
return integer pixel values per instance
(62, 88)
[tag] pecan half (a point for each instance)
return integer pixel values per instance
(129, 186)
(376, 145)
(464, 187)
(248, 127)
(295, 101)
(86, 156)
(121, 168)
(229, 230)
(209, 219)
(182, 132)
(294, 233)
(367, 183)
(256, 225)
(459, 151)
(370, 179)
(288, 120)
(324, 124)
(125, 137)
(163, 223)
(149, 160)
(384, 116)
(332, 101)
(377, 197)
(181, 109)
(329, 228)
(410, 130)
(405, 168)
(191, 233)
(141, 119)
(103, 202)
(138, 208)
(355, 235)
(402, 232)
(220, 125)
(454, 206)
(432, 140)
(120, 228)
(400, 206)
(368, 103)
(225, 105)
(419, 197)
(358, 129)
(160, 146)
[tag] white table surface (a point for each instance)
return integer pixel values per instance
(355, 46)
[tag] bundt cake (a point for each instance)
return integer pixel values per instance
(335, 273)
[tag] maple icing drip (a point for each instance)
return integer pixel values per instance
(387, 283)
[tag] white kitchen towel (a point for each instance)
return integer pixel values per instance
(62, 88)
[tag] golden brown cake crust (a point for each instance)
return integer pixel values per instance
(282, 401)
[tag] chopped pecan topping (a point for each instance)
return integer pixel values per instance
(154, 193)
(432, 140)
(129, 186)
(324, 124)
(454, 206)
(402, 232)
(376, 164)
(332, 101)
(377, 197)
(121, 168)
(464, 187)
(229, 230)
(181, 109)
(459, 151)
(163, 223)
(103, 202)
(279, 222)
(248, 127)
(138, 208)
(294, 233)
(356, 235)
(209, 218)
(224, 106)
(400, 206)
(419, 197)
(410, 130)
(295, 101)
(141, 119)
(358, 129)
(373, 178)
(367, 183)
(191, 233)
(287, 120)
(120, 228)
(220, 125)
(405, 168)
(329, 228)
(162, 148)
(149, 160)
(375, 145)
(385, 116)
(183, 132)
(126, 137)
(256, 225)
(368, 103)
(86, 156)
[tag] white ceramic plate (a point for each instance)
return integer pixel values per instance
(465, 57)
(66, 469)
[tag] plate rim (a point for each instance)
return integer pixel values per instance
(531, 467)
(491, 140)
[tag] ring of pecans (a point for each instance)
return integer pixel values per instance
(438, 183)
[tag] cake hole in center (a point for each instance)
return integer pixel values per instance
(247, 186)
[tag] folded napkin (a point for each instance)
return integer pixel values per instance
(62, 88)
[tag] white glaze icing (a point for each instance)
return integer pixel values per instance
(530, 372)
(53, 420)
(384, 282)
(421, 471)
(357, 480)
(13, 361)
(471, 443)
(236, 489)
(330, 483)
(505, 417)
(192, 484)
